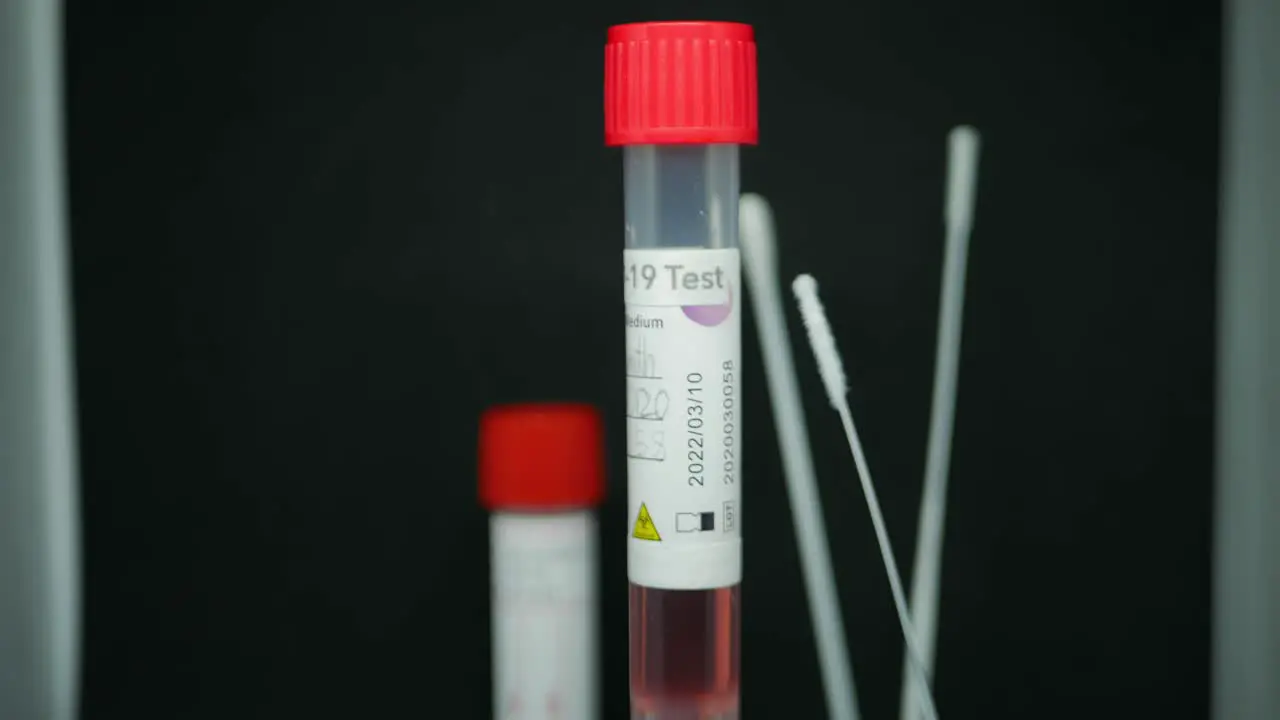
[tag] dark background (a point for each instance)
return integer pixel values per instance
(313, 240)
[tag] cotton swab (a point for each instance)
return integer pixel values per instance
(962, 178)
(831, 371)
(759, 252)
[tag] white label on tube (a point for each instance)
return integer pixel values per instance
(544, 621)
(684, 360)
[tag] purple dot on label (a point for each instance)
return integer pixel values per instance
(710, 315)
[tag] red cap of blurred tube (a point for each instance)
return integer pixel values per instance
(674, 83)
(541, 457)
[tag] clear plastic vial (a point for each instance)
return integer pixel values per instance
(684, 608)
(541, 477)
(680, 98)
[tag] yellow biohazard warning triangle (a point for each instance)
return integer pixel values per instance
(645, 529)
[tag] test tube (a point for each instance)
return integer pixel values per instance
(541, 476)
(680, 97)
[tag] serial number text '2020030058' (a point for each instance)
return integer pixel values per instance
(683, 342)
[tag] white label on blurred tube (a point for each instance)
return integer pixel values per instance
(544, 616)
(684, 340)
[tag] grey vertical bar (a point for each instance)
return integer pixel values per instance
(39, 537)
(1246, 645)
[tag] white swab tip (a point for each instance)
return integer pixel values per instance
(823, 342)
(753, 211)
(962, 174)
(755, 228)
(964, 135)
(804, 286)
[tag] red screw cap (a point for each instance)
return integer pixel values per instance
(680, 83)
(541, 457)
